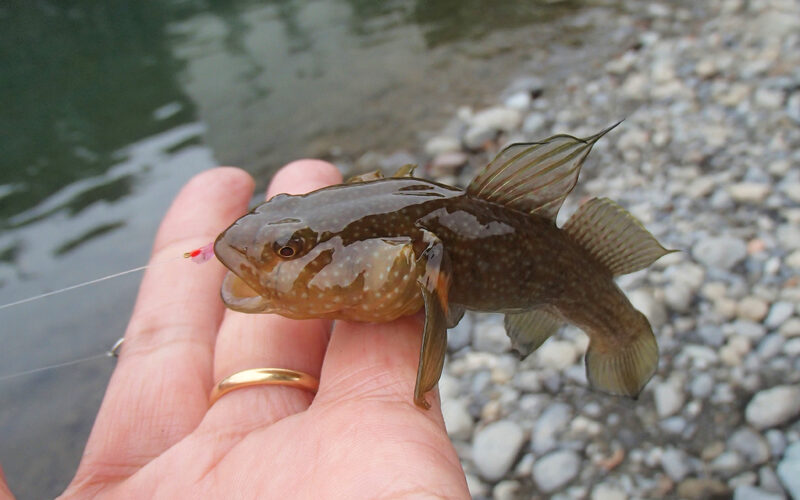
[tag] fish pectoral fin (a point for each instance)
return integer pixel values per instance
(614, 237)
(434, 347)
(406, 170)
(434, 285)
(366, 177)
(622, 371)
(530, 329)
(535, 177)
(237, 295)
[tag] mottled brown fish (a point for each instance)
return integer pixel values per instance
(375, 249)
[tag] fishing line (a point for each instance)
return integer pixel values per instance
(198, 255)
(3, 378)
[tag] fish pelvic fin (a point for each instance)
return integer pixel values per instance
(623, 370)
(535, 177)
(614, 237)
(529, 330)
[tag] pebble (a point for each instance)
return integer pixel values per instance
(789, 470)
(608, 492)
(778, 313)
(675, 463)
(790, 328)
(497, 118)
(723, 252)
(447, 162)
(442, 144)
(556, 354)
(772, 407)
(669, 397)
(702, 385)
(548, 426)
(457, 419)
(491, 337)
(506, 490)
(702, 489)
(750, 444)
(749, 192)
(519, 100)
(495, 448)
(752, 308)
(752, 493)
(555, 470)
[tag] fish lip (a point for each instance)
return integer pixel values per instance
(232, 296)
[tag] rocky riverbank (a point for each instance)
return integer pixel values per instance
(708, 158)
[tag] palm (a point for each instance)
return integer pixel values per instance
(360, 436)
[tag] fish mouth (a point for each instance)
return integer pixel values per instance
(237, 295)
(235, 292)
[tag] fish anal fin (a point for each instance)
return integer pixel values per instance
(529, 330)
(434, 347)
(406, 170)
(622, 370)
(454, 314)
(534, 177)
(365, 177)
(614, 237)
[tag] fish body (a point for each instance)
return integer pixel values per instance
(376, 249)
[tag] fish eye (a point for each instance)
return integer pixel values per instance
(291, 247)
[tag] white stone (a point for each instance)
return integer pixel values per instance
(773, 407)
(750, 444)
(518, 100)
(789, 236)
(723, 252)
(495, 447)
(779, 313)
(749, 192)
(792, 191)
(553, 420)
(669, 397)
(491, 337)
(608, 492)
(747, 492)
(457, 419)
(556, 469)
(497, 118)
(533, 123)
(790, 328)
(789, 470)
(476, 487)
(675, 463)
(557, 354)
(752, 308)
(793, 260)
(769, 98)
(442, 144)
(506, 490)
(643, 300)
(475, 137)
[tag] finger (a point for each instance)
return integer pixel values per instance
(267, 340)
(158, 392)
(375, 362)
(5, 491)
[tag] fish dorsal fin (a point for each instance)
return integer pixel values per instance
(530, 329)
(614, 237)
(365, 177)
(535, 177)
(406, 170)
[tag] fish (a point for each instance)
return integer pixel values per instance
(374, 249)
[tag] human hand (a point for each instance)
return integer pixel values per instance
(361, 436)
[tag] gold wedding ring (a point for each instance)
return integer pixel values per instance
(263, 376)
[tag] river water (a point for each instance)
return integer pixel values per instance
(108, 108)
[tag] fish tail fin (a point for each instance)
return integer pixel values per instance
(614, 237)
(623, 368)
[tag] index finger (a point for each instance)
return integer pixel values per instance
(158, 392)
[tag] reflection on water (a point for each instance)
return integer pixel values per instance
(109, 107)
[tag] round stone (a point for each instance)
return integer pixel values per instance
(772, 407)
(722, 252)
(556, 470)
(495, 448)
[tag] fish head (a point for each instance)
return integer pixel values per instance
(282, 261)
